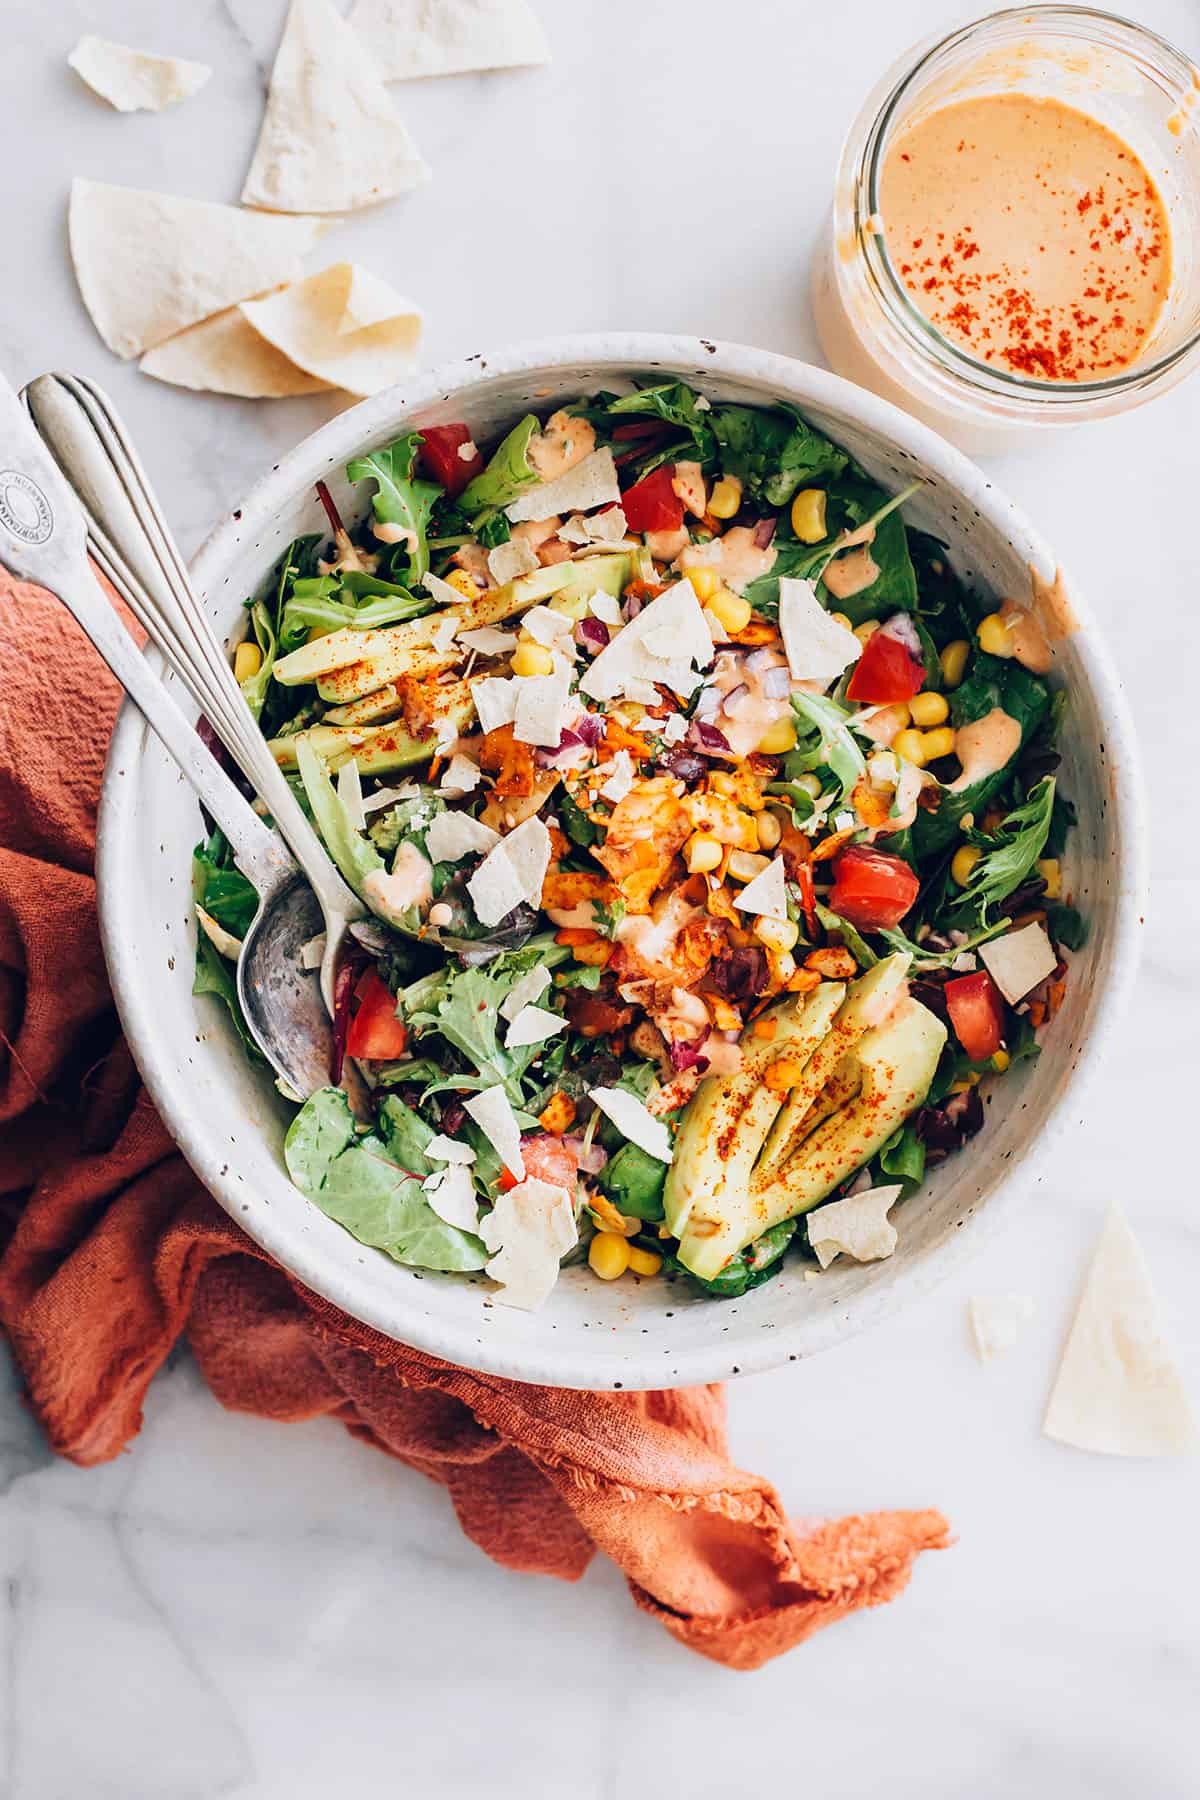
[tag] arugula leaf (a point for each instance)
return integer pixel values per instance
(851, 937)
(493, 530)
(584, 975)
(575, 822)
(1008, 853)
(855, 504)
(356, 1182)
(829, 741)
(992, 682)
(772, 452)
(329, 603)
(463, 1007)
(608, 917)
(509, 473)
(355, 855)
(270, 703)
(939, 959)
(675, 404)
(399, 500)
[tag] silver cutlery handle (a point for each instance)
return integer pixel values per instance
(134, 546)
(259, 852)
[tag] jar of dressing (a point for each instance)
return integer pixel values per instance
(1015, 236)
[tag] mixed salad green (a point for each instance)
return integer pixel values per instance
(709, 829)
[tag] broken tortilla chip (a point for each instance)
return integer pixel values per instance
(135, 80)
(225, 355)
(331, 139)
(344, 326)
(148, 265)
(413, 38)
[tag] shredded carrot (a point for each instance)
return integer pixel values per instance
(574, 935)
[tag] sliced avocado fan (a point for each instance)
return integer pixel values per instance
(860, 1061)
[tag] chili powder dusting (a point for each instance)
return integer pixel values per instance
(1029, 234)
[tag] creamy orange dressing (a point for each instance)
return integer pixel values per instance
(562, 442)
(850, 574)
(1029, 234)
(756, 711)
(737, 559)
(984, 747)
(1029, 642)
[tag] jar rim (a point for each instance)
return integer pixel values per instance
(1119, 34)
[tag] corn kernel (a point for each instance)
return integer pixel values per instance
(247, 660)
(928, 709)
(994, 636)
(770, 830)
(939, 742)
(778, 738)
(866, 630)
(463, 584)
(744, 865)
(777, 934)
(808, 515)
(1001, 1061)
(702, 853)
(725, 498)
(705, 583)
(842, 619)
(1050, 870)
(644, 1262)
(608, 1255)
(954, 661)
(532, 659)
(962, 862)
(733, 610)
(911, 746)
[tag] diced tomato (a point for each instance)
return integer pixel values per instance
(886, 671)
(440, 459)
(872, 889)
(375, 1032)
(547, 1158)
(808, 895)
(652, 503)
(976, 1013)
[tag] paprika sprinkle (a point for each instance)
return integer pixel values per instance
(1029, 234)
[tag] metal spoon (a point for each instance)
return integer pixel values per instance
(43, 539)
(132, 543)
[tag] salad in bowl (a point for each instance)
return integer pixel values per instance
(709, 833)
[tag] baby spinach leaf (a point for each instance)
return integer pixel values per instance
(634, 1182)
(903, 1158)
(355, 1181)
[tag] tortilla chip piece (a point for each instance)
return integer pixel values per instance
(412, 38)
(343, 326)
(148, 265)
(331, 139)
(225, 355)
(135, 80)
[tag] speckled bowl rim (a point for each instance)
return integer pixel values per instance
(545, 1359)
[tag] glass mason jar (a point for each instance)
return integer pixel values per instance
(1126, 77)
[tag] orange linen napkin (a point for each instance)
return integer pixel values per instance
(110, 1249)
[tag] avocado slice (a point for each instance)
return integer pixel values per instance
(377, 749)
(744, 1163)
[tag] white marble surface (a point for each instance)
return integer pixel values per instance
(277, 1612)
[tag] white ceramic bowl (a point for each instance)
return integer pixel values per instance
(229, 1123)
